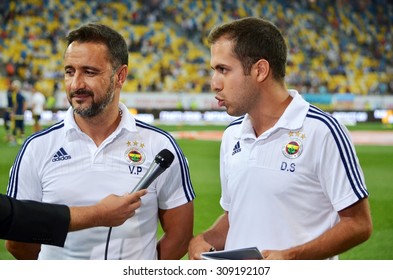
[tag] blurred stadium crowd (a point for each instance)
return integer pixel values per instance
(335, 46)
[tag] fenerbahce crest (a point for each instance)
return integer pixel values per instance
(294, 147)
(134, 153)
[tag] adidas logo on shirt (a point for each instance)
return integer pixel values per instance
(237, 148)
(61, 154)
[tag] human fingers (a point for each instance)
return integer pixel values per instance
(197, 246)
(134, 197)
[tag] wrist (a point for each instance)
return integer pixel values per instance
(96, 215)
(291, 253)
(198, 238)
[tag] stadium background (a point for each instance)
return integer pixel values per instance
(340, 58)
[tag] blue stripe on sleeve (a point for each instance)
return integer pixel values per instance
(185, 173)
(344, 146)
(12, 189)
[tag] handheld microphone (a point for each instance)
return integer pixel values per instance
(160, 163)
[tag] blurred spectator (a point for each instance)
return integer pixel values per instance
(7, 115)
(17, 103)
(37, 107)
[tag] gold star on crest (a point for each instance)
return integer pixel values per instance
(297, 134)
(135, 143)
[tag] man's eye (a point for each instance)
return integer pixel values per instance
(68, 72)
(222, 70)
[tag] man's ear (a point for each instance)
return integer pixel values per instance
(122, 73)
(262, 68)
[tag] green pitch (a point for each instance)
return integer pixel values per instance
(203, 157)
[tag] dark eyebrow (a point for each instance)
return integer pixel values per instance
(215, 66)
(84, 68)
(220, 65)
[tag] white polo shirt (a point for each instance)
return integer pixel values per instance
(285, 187)
(63, 165)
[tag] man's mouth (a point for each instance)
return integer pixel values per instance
(220, 101)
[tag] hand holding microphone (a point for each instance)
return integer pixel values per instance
(114, 210)
(160, 163)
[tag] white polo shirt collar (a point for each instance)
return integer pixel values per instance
(292, 119)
